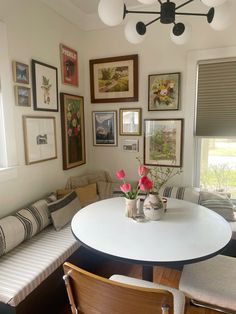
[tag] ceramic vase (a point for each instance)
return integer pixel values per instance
(153, 208)
(130, 207)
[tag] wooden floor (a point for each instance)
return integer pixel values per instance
(166, 276)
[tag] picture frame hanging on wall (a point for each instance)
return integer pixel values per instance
(23, 96)
(163, 91)
(20, 72)
(104, 128)
(130, 121)
(44, 86)
(163, 142)
(114, 79)
(73, 130)
(39, 139)
(69, 65)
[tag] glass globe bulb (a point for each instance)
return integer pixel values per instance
(131, 33)
(111, 11)
(147, 1)
(223, 17)
(213, 3)
(181, 39)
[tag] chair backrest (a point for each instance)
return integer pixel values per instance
(90, 294)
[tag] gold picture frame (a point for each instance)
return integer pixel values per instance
(130, 121)
(23, 96)
(20, 72)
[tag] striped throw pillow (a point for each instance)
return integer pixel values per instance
(223, 207)
(64, 209)
(189, 194)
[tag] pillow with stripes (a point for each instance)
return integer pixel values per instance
(223, 207)
(63, 210)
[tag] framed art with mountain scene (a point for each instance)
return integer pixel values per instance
(104, 128)
(114, 79)
(73, 136)
(44, 86)
(163, 91)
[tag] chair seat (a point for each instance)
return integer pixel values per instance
(212, 281)
(179, 298)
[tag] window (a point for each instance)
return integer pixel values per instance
(7, 124)
(216, 126)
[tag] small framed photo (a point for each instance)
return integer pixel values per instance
(163, 91)
(130, 121)
(104, 128)
(45, 86)
(114, 79)
(20, 72)
(163, 142)
(23, 96)
(39, 139)
(69, 65)
(73, 135)
(131, 146)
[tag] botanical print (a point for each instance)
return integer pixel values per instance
(46, 86)
(164, 91)
(69, 65)
(163, 142)
(104, 124)
(73, 138)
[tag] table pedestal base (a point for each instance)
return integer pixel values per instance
(147, 273)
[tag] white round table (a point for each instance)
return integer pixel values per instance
(187, 233)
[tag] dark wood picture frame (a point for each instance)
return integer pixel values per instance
(73, 130)
(114, 79)
(44, 86)
(163, 142)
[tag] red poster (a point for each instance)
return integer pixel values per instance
(69, 65)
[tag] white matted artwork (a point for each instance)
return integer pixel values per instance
(131, 146)
(39, 138)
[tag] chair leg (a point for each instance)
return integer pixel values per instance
(211, 307)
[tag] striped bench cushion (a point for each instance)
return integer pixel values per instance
(190, 194)
(30, 263)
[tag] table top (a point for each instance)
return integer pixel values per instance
(187, 233)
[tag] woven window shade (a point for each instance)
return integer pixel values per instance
(216, 99)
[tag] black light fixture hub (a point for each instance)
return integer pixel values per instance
(141, 28)
(167, 12)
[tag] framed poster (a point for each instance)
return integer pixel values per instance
(73, 135)
(104, 128)
(114, 79)
(69, 65)
(130, 121)
(39, 138)
(163, 142)
(45, 86)
(20, 72)
(23, 96)
(163, 91)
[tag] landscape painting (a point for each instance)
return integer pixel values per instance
(114, 79)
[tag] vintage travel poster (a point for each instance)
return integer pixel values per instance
(69, 65)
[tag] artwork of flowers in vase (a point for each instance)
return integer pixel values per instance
(163, 91)
(73, 139)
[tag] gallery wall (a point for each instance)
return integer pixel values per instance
(34, 32)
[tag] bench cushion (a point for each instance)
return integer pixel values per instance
(30, 263)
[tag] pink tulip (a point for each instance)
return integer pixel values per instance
(120, 174)
(145, 184)
(143, 179)
(126, 187)
(142, 170)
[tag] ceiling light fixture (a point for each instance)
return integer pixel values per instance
(112, 13)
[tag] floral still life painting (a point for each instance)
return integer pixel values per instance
(73, 138)
(164, 91)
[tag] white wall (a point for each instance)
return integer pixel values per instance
(157, 54)
(34, 32)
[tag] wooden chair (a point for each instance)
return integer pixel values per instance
(90, 294)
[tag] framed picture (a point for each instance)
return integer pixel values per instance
(45, 86)
(39, 138)
(20, 72)
(104, 128)
(23, 96)
(69, 65)
(114, 79)
(130, 121)
(163, 142)
(131, 146)
(163, 91)
(73, 135)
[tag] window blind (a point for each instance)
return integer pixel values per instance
(216, 99)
